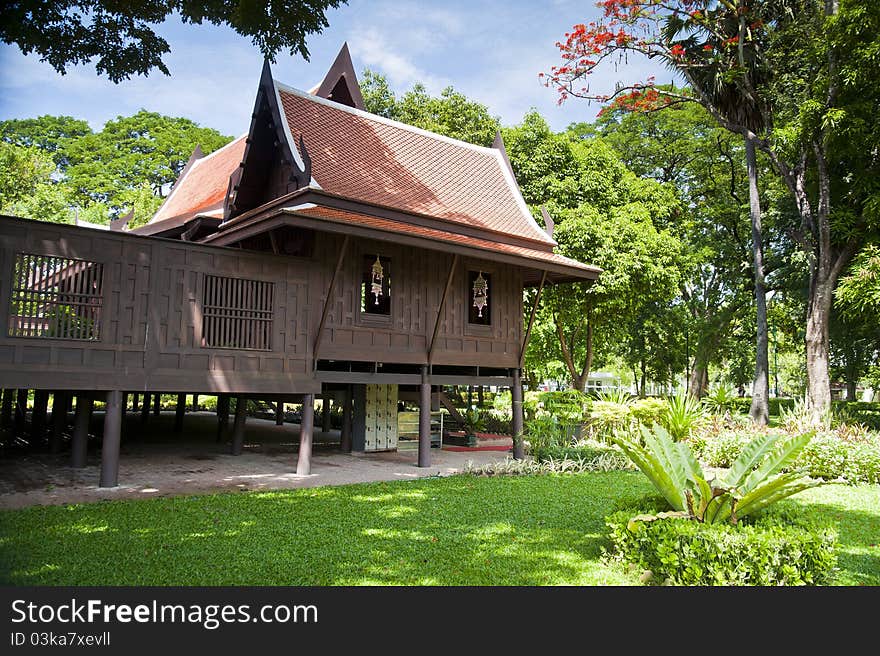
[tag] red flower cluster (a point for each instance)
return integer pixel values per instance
(640, 100)
(677, 50)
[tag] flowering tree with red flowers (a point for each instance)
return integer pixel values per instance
(775, 72)
(717, 46)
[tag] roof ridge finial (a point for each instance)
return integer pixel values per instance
(498, 144)
(549, 225)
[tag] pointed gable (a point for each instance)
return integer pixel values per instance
(341, 84)
(202, 185)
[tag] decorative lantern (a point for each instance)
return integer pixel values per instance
(481, 294)
(377, 275)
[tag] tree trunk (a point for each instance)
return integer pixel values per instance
(851, 385)
(578, 377)
(818, 377)
(759, 411)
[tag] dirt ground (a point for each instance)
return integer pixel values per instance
(156, 462)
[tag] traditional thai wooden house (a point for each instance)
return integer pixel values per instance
(328, 251)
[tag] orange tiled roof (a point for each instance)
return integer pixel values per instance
(388, 225)
(368, 158)
(203, 187)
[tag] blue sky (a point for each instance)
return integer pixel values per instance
(490, 50)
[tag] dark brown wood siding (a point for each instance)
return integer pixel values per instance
(153, 301)
(418, 279)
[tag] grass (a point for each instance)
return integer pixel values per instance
(463, 530)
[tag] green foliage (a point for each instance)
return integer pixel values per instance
(649, 410)
(584, 451)
(450, 113)
(683, 414)
(26, 185)
(859, 291)
(544, 431)
(120, 37)
(474, 421)
(827, 456)
(777, 549)
(608, 417)
(56, 163)
(130, 152)
(720, 399)
(724, 449)
(752, 483)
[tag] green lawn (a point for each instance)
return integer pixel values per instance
(530, 530)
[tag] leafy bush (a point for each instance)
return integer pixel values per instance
(683, 414)
(498, 422)
(606, 417)
(648, 411)
(776, 549)
(753, 482)
(775, 405)
(544, 431)
(827, 456)
(585, 451)
(724, 449)
(720, 400)
(473, 421)
(863, 463)
(509, 467)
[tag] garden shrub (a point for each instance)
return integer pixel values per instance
(589, 451)
(723, 449)
(648, 411)
(863, 463)
(775, 548)
(827, 456)
(609, 416)
(775, 405)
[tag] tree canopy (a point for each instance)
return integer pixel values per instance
(450, 113)
(128, 165)
(121, 38)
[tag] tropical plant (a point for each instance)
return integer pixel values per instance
(720, 400)
(754, 480)
(683, 414)
(544, 431)
(473, 421)
(619, 396)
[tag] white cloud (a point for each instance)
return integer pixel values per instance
(371, 48)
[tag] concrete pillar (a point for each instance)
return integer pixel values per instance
(179, 413)
(470, 396)
(279, 413)
(38, 416)
(60, 404)
(345, 440)
(425, 419)
(222, 417)
(135, 402)
(20, 412)
(306, 429)
(516, 393)
(195, 403)
(325, 414)
(157, 398)
(238, 426)
(480, 396)
(112, 434)
(79, 448)
(145, 408)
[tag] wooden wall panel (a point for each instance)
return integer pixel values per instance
(153, 302)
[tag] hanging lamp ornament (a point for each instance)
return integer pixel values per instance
(481, 294)
(378, 275)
